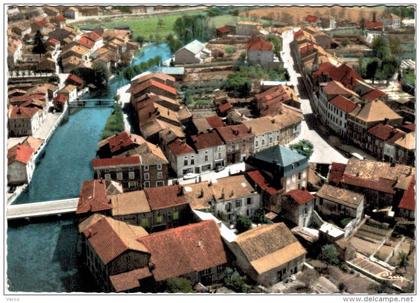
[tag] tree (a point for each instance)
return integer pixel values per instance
(140, 40)
(190, 27)
(235, 281)
(242, 224)
(229, 50)
(259, 216)
(39, 46)
(101, 74)
(239, 85)
(371, 69)
(345, 42)
(179, 285)
(380, 47)
(303, 147)
(382, 287)
(389, 67)
(395, 46)
(329, 254)
(402, 260)
(160, 23)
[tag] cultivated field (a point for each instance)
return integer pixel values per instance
(298, 14)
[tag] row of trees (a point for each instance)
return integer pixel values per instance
(190, 27)
(98, 75)
(115, 122)
(132, 71)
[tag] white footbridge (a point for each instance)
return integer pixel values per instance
(41, 209)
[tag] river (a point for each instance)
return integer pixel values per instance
(41, 256)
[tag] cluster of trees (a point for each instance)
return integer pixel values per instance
(385, 62)
(190, 27)
(401, 11)
(303, 147)
(240, 82)
(233, 280)
(243, 224)
(277, 44)
(179, 285)
(132, 71)
(173, 43)
(98, 75)
(115, 122)
(39, 45)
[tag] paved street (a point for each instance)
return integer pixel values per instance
(124, 100)
(212, 175)
(47, 126)
(323, 151)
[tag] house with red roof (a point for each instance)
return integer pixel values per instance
(312, 20)
(20, 164)
(23, 121)
(381, 139)
(60, 102)
(260, 51)
(225, 30)
(125, 170)
(153, 86)
(193, 251)
(339, 108)
(75, 80)
(182, 157)
(239, 141)
(297, 206)
(407, 205)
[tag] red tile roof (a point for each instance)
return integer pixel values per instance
(75, 79)
(53, 41)
(160, 77)
(86, 42)
(373, 94)
(17, 112)
(311, 19)
(336, 88)
(61, 98)
(298, 34)
(117, 161)
(381, 185)
(258, 178)
(186, 249)
(21, 153)
(224, 29)
(408, 200)
(307, 49)
(233, 133)
(179, 147)
(374, 25)
(93, 197)
(224, 107)
(344, 73)
(129, 280)
(165, 196)
(206, 140)
(411, 127)
(300, 196)
(336, 173)
(93, 36)
(120, 141)
(138, 88)
(259, 44)
(343, 104)
(215, 121)
(385, 132)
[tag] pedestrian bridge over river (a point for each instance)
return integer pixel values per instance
(41, 209)
(92, 103)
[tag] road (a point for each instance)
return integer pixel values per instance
(323, 151)
(212, 175)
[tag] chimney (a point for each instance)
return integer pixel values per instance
(374, 16)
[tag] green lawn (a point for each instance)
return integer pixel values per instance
(146, 26)
(410, 77)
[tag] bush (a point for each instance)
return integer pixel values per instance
(179, 285)
(235, 281)
(259, 217)
(242, 224)
(303, 147)
(115, 123)
(329, 254)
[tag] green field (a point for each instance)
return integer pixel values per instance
(148, 26)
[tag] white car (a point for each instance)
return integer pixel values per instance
(190, 176)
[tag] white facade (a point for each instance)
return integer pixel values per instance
(19, 173)
(300, 214)
(266, 140)
(229, 209)
(296, 181)
(336, 119)
(210, 158)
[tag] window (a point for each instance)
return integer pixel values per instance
(228, 207)
(206, 158)
(119, 176)
(160, 183)
(159, 218)
(131, 175)
(238, 203)
(144, 222)
(175, 215)
(146, 167)
(132, 184)
(107, 176)
(192, 161)
(146, 184)
(159, 175)
(159, 167)
(146, 176)
(185, 162)
(256, 143)
(248, 201)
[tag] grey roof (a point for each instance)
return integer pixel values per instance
(170, 70)
(194, 46)
(280, 154)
